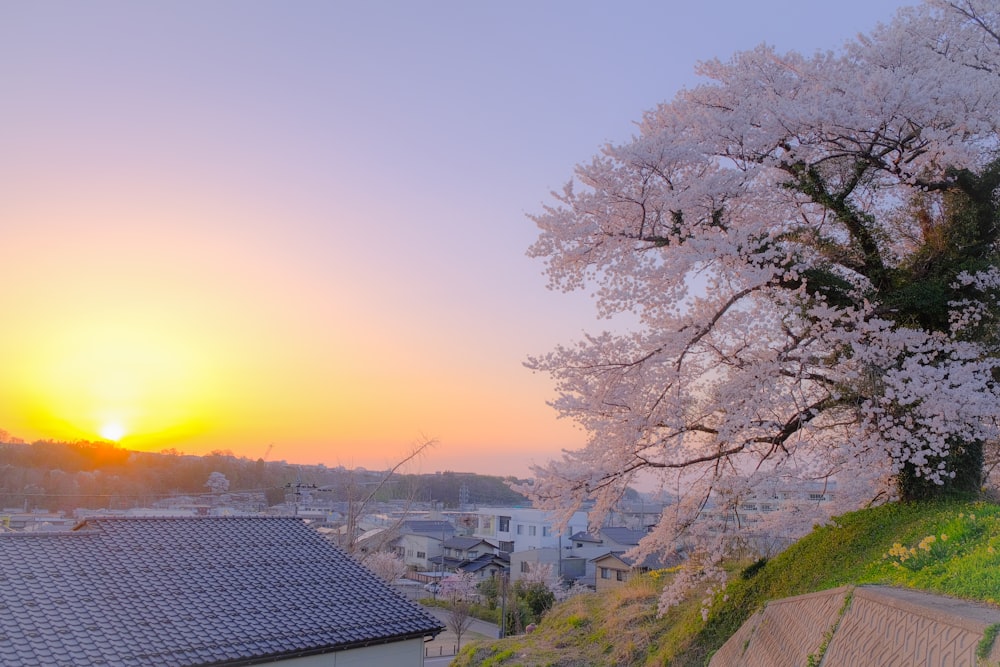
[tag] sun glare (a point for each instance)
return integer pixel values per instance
(113, 431)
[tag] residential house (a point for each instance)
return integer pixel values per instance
(610, 538)
(487, 565)
(574, 561)
(457, 551)
(637, 514)
(190, 592)
(562, 562)
(614, 568)
(420, 540)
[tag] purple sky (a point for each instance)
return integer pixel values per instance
(233, 223)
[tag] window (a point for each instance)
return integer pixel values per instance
(409, 553)
(504, 522)
(520, 529)
(506, 547)
(531, 531)
(545, 531)
(421, 554)
(816, 496)
(605, 573)
(619, 575)
(525, 567)
(472, 554)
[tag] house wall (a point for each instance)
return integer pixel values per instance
(618, 573)
(409, 653)
(572, 556)
(574, 568)
(529, 558)
(586, 554)
(411, 546)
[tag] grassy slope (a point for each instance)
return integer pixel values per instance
(949, 547)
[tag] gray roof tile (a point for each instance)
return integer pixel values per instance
(190, 591)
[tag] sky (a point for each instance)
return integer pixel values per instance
(298, 229)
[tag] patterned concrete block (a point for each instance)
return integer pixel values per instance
(786, 632)
(887, 626)
(881, 627)
(732, 651)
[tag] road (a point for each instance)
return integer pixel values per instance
(440, 651)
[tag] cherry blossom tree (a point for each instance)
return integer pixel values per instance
(386, 565)
(460, 589)
(546, 576)
(217, 482)
(799, 258)
(459, 586)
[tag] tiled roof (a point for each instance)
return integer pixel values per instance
(648, 562)
(190, 591)
(625, 536)
(463, 543)
(483, 561)
(653, 561)
(584, 536)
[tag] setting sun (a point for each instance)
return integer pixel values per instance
(113, 431)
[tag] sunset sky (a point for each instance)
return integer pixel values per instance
(231, 224)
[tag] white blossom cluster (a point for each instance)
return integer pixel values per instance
(748, 230)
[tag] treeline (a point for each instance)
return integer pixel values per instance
(65, 476)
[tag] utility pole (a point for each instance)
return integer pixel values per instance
(503, 605)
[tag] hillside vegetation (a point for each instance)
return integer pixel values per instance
(952, 548)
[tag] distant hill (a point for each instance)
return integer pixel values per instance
(64, 476)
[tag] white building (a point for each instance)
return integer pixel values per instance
(520, 529)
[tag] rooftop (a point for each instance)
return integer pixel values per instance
(190, 591)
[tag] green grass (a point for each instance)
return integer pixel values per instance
(888, 545)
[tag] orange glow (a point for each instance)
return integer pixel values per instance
(100, 381)
(220, 348)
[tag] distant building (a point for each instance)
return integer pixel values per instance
(487, 565)
(574, 560)
(420, 540)
(34, 521)
(471, 554)
(459, 550)
(520, 529)
(614, 568)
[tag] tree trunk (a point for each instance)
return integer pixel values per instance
(965, 460)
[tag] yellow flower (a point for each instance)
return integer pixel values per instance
(944, 538)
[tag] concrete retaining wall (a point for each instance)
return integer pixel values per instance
(866, 625)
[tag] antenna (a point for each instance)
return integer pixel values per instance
(298, 492)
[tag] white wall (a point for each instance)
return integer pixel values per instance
(397, 654)
(528, 528)
(416, 544)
